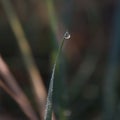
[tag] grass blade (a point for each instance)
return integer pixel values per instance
(48, 110)
(27, 56)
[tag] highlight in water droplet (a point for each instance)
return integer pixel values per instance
(67, 35)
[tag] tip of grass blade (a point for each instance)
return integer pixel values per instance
(48, 109)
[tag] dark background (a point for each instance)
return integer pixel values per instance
(87, 76)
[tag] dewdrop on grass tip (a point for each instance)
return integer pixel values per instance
(67, 35)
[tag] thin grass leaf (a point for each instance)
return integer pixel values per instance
(9, 84)
(48, 109)
(27, 56)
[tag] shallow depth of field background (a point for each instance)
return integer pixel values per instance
(87, 85)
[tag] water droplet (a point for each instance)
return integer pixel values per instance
(67, 35)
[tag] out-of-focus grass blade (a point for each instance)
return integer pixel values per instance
(110, 81)
(9, 84)
(48, 109)
(26, 53)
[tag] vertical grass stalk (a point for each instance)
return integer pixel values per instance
(48, 109)
(26, 53)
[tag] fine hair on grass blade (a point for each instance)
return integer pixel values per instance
(48, 109)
